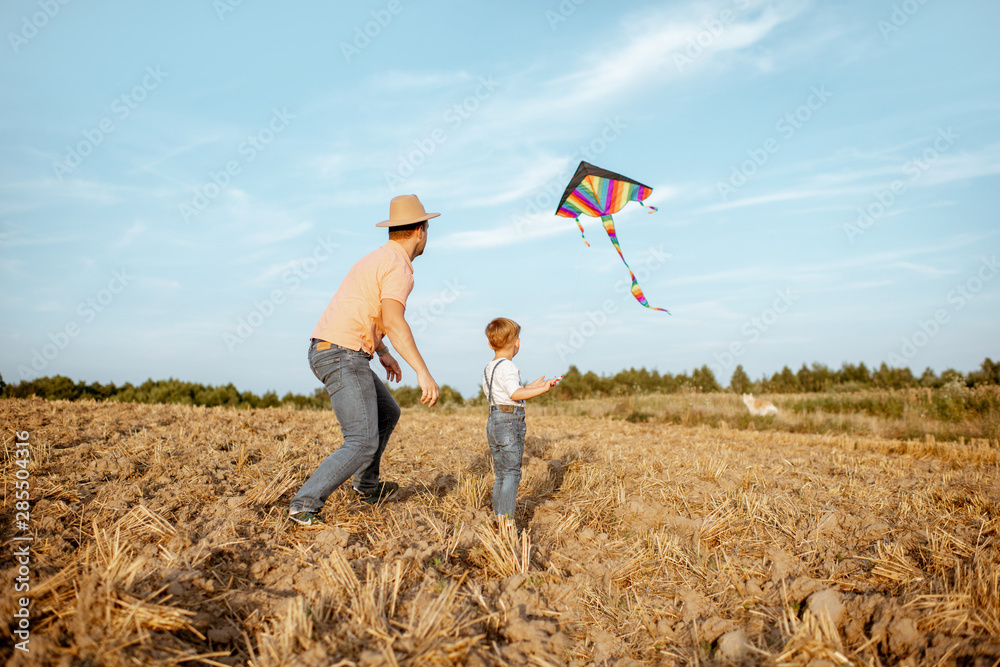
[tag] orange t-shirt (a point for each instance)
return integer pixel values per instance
(353, 319)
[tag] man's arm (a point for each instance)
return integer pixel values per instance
(402, 339)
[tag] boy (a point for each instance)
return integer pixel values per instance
(505, 428)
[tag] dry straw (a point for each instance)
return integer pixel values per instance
(160, 538)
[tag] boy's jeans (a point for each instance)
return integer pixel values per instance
(367, 414)
(505, 432)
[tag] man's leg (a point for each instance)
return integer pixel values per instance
(367, 476)
(347, 378)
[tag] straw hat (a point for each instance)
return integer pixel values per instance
(406, 210)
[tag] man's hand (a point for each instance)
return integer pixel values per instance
(430, 389)
(402, 340)
(393, 372)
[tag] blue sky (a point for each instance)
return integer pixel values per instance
(183, 186)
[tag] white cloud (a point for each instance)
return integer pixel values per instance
(280, 229)
(130, 234)
(862, 180)
(161, 284)
(48, 307)
(12, 266)
(397, 80)
(923, 269)
(535, 228)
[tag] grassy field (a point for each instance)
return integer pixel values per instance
(657, 530)
(954, 413)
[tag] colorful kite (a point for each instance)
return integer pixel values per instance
(597, 192)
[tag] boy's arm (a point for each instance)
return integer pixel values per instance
(536, 388)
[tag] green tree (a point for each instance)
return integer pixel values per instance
(893, 378)
(591, 384)
(988, 373)
(268, 400)
(785, 382)
(448, 395)
(950, 375)
(852, 373)
(571, 386)
(406, 396)
(929, 379)
(805, 379)
(704, 379)
(740, 382)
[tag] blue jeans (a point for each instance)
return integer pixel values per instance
(367, 414)
(505, 432)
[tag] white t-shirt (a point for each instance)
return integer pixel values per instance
(506, 380)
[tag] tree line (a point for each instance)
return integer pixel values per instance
(574, 385)
(61, 387)
(815, 378)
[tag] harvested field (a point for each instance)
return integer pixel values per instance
(160, 539)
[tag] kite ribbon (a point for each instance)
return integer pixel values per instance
(609, 227)
(582, 236)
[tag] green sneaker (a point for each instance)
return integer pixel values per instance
(384, 492)
(307, 519)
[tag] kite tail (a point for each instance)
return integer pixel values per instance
(651, 208)
(582, 236)
(609, 227)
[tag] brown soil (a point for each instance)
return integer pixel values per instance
(160, 538)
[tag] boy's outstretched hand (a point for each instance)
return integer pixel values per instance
(543, 384)
(536, 388)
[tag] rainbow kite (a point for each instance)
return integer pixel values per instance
(597, 192)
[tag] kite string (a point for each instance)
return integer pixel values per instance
(576, 294)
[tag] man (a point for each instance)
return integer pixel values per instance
(369, 305)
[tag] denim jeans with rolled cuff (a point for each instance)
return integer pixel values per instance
(505, 433)
(367, 414)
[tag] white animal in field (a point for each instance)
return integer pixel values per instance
(759, 407)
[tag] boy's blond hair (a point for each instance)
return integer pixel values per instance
(501, 332)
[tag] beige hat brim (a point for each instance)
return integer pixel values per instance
(400, 223)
